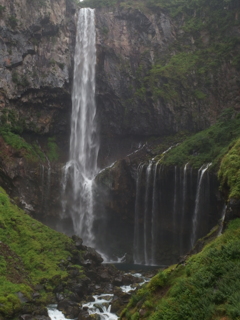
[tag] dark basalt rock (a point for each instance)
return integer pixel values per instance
(93, 256)
(69, 308)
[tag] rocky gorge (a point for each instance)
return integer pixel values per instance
(163, 73)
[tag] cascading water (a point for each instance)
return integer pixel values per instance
(224, 211)
(146, 205)
(201, 173)
(184, 194)
(80, 171)
(168, 206)
(154, 210)
(136, 244)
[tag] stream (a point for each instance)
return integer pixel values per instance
(101, 304)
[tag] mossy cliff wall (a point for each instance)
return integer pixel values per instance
(163, 69)
(37, 40)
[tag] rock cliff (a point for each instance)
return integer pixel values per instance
(37, 40)
(158, 74)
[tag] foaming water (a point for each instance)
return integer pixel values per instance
(81, 169)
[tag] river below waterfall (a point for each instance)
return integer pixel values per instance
(101, 304)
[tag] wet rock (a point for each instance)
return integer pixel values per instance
(36, 295)
(83, 315)
(77, 241)
(93, 255)
(69, 308)
(35, 317)
(22, 297)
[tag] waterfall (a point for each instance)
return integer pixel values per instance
(222, 219)
(154, 211)
(201, 173)
(174, 210)
(136, 244)
(146, 211)
(184, 194)
(81, 169)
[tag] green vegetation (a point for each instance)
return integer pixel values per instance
(229, 172)
(204, 45)
(209, 145)
(31, 152)
(30, 254)
(205, 287)
(53, 150)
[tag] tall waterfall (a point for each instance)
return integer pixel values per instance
(81, 169)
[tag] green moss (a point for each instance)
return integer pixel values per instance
(207, 286)
(30, 254)
(53, 150)
(209, 145)
(229, 172)
(31, 152)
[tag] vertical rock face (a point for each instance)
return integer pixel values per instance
(36, 52)
(37, 40)
(152, 214)
(130, 43)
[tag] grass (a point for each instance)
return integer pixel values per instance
(30, 254)
(31, 152)
(209, 145)
(206, 287)
(52, 149)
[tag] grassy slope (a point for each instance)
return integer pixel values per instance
(209, 145)
(219, 145)
(29, 254)
(206, 286)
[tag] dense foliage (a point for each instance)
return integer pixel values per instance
(229, 172)
(205, 287)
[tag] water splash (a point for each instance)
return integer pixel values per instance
(80, 171)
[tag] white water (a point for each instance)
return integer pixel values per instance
(201, 173)
(183, 205)
(136, 244)
(154, 210)
(146, 208)
(174, 202)
(55, 314)
(81, 169)
(101, 306)
(224, 211)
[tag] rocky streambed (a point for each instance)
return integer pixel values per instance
(100, 306)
